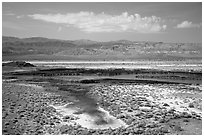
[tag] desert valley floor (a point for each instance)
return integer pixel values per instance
(43, 99)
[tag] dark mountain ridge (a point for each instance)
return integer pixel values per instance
(40, 48)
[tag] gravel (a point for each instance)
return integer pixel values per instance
(26, 110)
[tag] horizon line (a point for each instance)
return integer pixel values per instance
(94, 40)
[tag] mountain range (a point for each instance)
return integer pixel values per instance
(39, 48)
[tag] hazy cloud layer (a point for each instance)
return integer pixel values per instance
(9, 14)
(59, 29)
(11, 25)
(187, 24)
(91, 22)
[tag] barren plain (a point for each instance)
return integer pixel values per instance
(85, 87)
(41, 99)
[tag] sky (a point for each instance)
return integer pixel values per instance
(104, 21)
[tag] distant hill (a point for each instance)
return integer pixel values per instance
(39, 48)
(18, 64)
(84, 42)
(10, 39)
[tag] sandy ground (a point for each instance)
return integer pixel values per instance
(132, 108)
(89, 121)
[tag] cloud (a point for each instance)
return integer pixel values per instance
(91, 22)
(187, 24)
(20, 16)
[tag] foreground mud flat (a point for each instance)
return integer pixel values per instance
(101, 120)
(57, 105)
